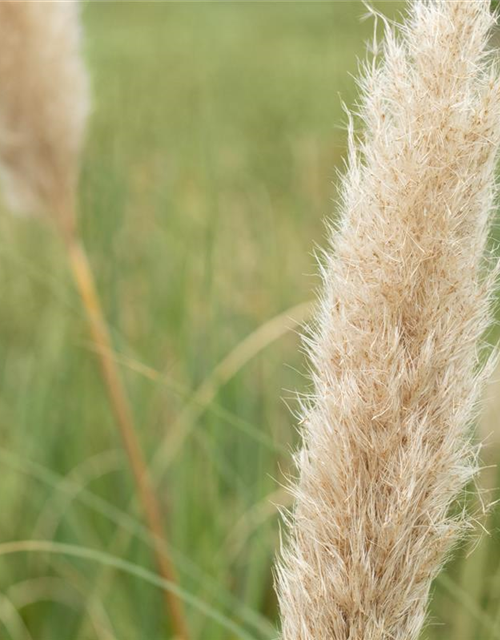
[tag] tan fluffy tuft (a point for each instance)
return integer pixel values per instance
(396, 348)
(44, 102)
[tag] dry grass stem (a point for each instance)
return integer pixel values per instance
(125, 422)
(397, 341)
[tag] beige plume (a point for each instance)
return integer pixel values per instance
(44, 103)
(396, 347)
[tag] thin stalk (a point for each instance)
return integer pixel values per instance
(98, 328)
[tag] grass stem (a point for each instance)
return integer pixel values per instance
(85, 284)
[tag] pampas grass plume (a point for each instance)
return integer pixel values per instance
(44, 104)
(396, 346)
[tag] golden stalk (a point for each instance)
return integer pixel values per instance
(99, 331)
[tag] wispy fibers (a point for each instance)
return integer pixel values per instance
(44, 103)
(397, 340)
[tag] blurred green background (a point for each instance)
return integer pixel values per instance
(210, 168)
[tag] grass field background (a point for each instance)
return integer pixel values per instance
(210, 168)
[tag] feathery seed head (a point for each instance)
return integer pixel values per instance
(395, 350)
(44, 103)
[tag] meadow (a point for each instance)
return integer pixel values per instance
(213, 149)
